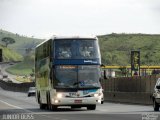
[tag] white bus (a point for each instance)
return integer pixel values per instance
(67, 73)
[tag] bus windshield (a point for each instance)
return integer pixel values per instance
(76, 49)
(83, 76)
(88, 76)
(66, 76)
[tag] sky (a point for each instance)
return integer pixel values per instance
(44, 18)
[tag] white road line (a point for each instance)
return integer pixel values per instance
(24, 109)
(11, 105)
(103, 110)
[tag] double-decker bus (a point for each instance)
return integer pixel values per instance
(67, 73)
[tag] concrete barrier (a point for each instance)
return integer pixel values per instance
(129, 89)
(124, 90)
(22, 87)
(128, 97)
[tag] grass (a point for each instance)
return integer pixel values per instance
(116, 48)
(21, 42)
(22, 79)
(10, 55)
(22, 69)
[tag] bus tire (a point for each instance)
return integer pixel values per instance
(54, 107)
(41, 105)
(155, 105)
(91, 107)
(49, 106)
(38, 97)
(102, 102)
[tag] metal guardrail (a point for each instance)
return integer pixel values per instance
(16, 87)
(118, 67)
(10, 62)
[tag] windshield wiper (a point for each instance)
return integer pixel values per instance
(65, 86)
(82, 83)
(76, 83)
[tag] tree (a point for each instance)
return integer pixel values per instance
(8, 40)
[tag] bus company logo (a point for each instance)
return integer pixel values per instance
(89, 61)
(78, 94)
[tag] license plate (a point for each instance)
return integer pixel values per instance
(77, 101)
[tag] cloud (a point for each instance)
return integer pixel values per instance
(42, 17)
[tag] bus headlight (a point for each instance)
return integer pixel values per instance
(56, 101)
(59, 95)
(96, 95)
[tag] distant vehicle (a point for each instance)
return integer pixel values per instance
(11, 63)
(31, 91)
(5, 76)
(156, 96)
(7, 80)
(67, 73)
(10, 81)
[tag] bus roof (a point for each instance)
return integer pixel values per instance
(41, 43)
(67, 38)
(73, 37)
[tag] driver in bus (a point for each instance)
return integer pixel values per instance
(85, 52)
(64, 52)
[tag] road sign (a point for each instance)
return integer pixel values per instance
(135, 61)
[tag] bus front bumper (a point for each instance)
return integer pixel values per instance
(76, 101)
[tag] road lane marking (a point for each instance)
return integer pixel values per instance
(10, 105)
(27, 110)
(14, 106)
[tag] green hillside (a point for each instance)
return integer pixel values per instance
(10, 55)
(25, 67)
(116, 48)
(21, 42)
(17, 51)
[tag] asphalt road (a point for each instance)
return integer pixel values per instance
(17, 106)
(3, 67)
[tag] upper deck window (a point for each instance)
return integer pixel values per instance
(76, 49)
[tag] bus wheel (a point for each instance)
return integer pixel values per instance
(42, 106)
(38, 98)
(49, 105)
(155, 106)
(102, 102)
(54, 107)
(91, 107)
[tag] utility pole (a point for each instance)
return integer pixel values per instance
(1, 55)
(1, 59)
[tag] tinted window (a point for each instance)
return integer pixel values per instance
(88, 76)
(76, 49)
(77, 76)
(66, 76)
